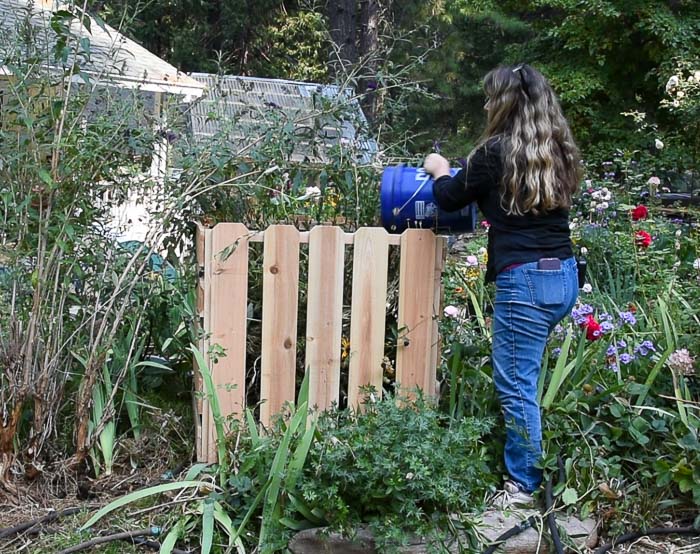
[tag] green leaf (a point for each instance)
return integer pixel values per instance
(207, 526)
(140, 494)
(166, 547)
(569, 497)
(194, 471)
(215, 407)
(561, 369)
(295, 525)
(45, 176)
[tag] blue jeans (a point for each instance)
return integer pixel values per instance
(529, 304)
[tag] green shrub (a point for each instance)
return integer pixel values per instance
(401, 468)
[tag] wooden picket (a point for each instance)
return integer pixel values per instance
(223, 257)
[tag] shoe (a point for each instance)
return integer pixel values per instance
(512, 496)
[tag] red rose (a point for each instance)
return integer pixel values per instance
(592, 328)
(642, 238)
(640, 212)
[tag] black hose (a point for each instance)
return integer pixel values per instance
(10, 531)
(645, 533)
(531, 521)
(551, 520)
(549, 507)
(155, 545)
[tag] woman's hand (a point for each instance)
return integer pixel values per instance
(436, 165)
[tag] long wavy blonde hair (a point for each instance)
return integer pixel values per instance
(541, 162)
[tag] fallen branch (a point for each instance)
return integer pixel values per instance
(126, 535)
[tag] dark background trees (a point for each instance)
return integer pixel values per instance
(604, 57)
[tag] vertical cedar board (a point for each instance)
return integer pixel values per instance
(229, 311)
(199, 328)
(208, 435)
(415, 320)
(279, 319)
(368, 312)
(440, 253)
(324, 314)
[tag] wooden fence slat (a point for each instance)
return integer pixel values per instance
(279, 319)
(208, 443)
(199, 326)
(415, 318)
(368, 312)
(324, 314)
(440, 252)
(228, 312)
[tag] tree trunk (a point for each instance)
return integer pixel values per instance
(369, 43)
(342, 19)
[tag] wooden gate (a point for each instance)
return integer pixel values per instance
(222, 254)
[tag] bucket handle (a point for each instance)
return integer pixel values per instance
(397, 211)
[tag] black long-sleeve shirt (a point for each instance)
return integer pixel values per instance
(513, 239)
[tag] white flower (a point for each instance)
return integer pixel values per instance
(682, 361)
(679, 233)
(696, 74)
(677, 244)
(655, 181)
(588, 182)
(452, 311)
(587, 288)
(409, 476)
(603, 205)
(696, 264)
(672, 83)
(680, 94)
(572, 226)
(481, 251)
(310, 192)
(677, 265)
(584, 250)
(658, 144)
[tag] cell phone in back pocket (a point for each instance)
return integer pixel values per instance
(549, 263)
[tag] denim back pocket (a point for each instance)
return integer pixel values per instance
(547, 286)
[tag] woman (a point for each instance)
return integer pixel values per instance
(522, 174)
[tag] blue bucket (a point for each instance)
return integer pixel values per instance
(406, 199)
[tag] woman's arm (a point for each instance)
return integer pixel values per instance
(468, 185)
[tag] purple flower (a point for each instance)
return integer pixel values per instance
(580, 314)
(621, 343)
(606, 327)
(626, 358)
(644, 348)
(613, 367)
(611, 351)
(556, 352)
(627, 318)
(605, 317)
